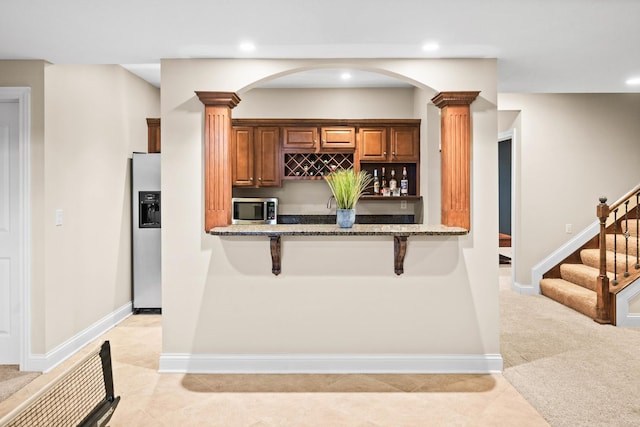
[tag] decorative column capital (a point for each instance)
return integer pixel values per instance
(223, 99)
(444, 99)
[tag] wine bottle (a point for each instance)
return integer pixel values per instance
(384, 179)
(404, 183)
(376, 183)
(393, 184)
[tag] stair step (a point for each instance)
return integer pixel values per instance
(591, 257)
(582, 275)
(619, 240)
(573, 296)
(632, 225)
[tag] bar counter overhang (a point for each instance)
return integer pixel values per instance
(399, 232)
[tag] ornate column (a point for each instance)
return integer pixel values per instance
(217, 156)
(455, 154)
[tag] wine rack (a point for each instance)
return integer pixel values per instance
(314, 165)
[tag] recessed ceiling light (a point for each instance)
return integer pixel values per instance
(247, 47)
(430, 47)
(345, 76)
(633, 81)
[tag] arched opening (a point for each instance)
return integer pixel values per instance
(333, 75)
(322, 93)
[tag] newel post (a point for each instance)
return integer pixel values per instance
(455, 154)
(603, 304)
(217, 157)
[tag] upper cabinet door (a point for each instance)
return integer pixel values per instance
(300, 138)
(373, 144)
(268, 158)
(338, 138)
(242, 156)
(153, 135)
(405, 144)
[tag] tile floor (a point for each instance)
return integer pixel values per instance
(152, 399)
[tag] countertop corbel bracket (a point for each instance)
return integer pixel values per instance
(399, 251)
(400, 233)
(276, 259)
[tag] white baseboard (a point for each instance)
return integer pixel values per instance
(524, 289)
(623, 298)
(329, 363)
(46, 362)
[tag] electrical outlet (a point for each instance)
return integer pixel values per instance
(568, 228)
(403, 204)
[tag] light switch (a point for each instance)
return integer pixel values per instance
(568, 228)
(403, 204)
(58, 217)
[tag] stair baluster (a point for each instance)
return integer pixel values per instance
(626, 238)
(603, 302)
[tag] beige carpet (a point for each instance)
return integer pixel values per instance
(574, 371)
(12, 380)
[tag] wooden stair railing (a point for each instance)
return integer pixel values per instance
(605, 305)
(603, 302)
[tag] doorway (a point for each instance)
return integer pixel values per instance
(14, 224)
(505, 191)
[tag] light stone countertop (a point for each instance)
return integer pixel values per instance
(334, 230)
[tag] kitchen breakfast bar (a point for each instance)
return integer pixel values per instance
(399, 232)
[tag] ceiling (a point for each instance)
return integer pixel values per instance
(541, 46)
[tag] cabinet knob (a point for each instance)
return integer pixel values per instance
(259, 179)
(385, 153)
(250, 178)
(393, 153)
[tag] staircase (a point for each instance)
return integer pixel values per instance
(574, 282)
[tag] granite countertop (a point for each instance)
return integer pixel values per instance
(360, 219)
(334, 230)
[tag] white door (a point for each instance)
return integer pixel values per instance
(9, 234)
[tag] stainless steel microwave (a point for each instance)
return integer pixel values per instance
(254, 210)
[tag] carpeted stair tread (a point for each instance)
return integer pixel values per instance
(632, 225)
(573, 296)
(591, 257)
(620, 244)
(581, 274)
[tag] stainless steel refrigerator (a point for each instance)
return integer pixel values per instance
(146, 222)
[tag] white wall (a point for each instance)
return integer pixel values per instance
(219, 294)
(378, 103)
(634, 306)
(86, 120)
(572, 149)
(94, 119)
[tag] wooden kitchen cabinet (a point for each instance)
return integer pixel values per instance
(242, 156)
(300, 138)
(311, 148)
(338, 138)
(404, 144)
(256, 159)
(305, 139)
(395, 144)
(153, 135)
(373, 144)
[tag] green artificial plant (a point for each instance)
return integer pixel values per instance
(347, 186)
